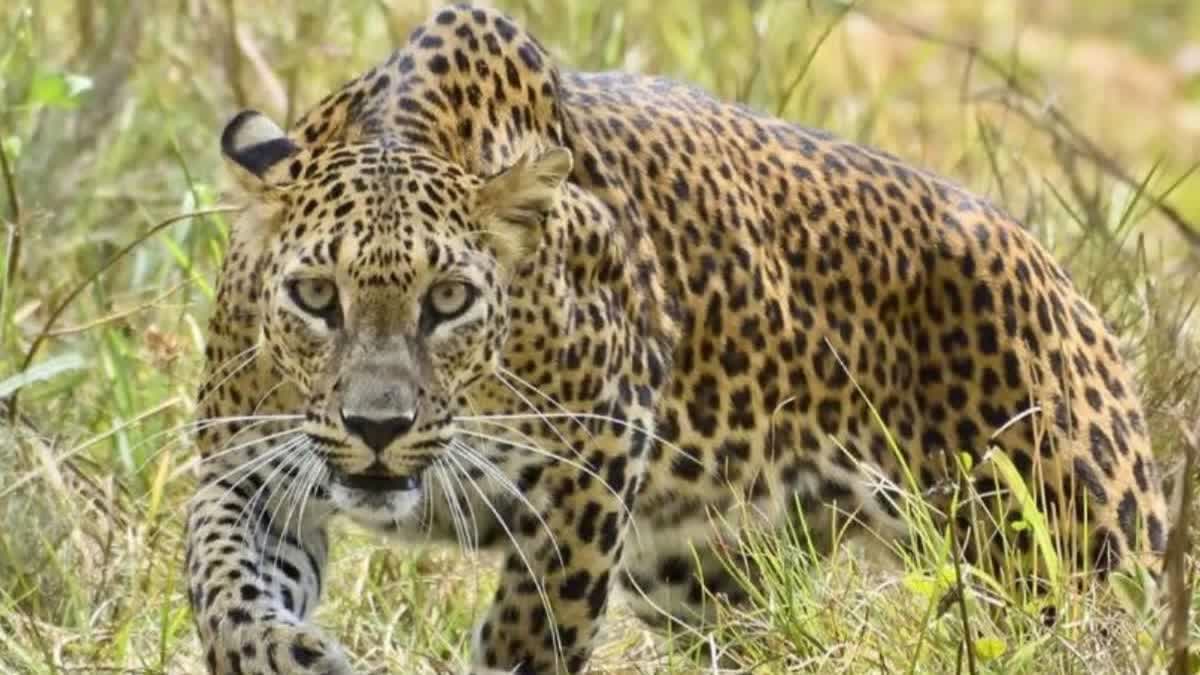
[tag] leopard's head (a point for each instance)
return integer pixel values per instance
(383, 274)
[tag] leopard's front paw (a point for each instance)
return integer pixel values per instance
(278, 649)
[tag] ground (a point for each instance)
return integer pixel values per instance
(1083, 120)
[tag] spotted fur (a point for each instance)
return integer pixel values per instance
(587, 320)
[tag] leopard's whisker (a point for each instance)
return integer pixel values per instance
(250, 418)
(545, 419)
(460, 494)
(279, 456)
(565, 460)
(566, 443)
(246, 472)
(505, 483)
(267, 394)
(248, 469)
(249, 353)
(428, 513)
(506, 373)
(249, 444)
(251, 421)
(310, 469)
(206, 461)
(470, 512)
(456, 515)
(198, 461)
(248, 466)
(517, 548)
(502, 374)
(279, 502)
(289, 502)
(319, 475)
(267, 483)
(208, 422)
(509, 417)
(437, 472)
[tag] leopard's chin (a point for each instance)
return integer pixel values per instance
(378, 509)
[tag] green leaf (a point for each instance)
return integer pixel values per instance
(967, 462)
(1029, 514)
(990, 648)
(920, 584)
(58, 90)
(946, 577)
(1134, 589)
(46, 370)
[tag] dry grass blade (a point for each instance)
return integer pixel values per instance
(12, 262)
(960, 476)
(18, 483)
(14, 209)
(1060, 127)
(233, 55)
(1179, 586)
(118, 315)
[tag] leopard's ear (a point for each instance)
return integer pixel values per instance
(255, 146)
(514, 204)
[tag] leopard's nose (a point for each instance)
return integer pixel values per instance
(378, 432)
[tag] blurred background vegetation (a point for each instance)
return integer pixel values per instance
(1081, 117)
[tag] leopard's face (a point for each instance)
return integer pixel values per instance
(382, 307)
(384, 276)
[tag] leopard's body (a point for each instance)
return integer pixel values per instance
(607, 362)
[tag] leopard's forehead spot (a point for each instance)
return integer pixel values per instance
(375, 197)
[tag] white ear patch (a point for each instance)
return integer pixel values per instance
(255, 129)
(255, 142)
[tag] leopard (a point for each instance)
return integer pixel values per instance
(604, 325)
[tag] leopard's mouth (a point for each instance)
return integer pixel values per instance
(377, 479)
(376, 497)
(368, 483)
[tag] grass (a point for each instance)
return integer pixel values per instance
(1081, 118)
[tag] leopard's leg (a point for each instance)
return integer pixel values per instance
(557, 577)
(674, 588)
(255, 559)
(702, 558)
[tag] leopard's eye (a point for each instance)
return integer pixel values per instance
(449, 299)
(317, 297)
